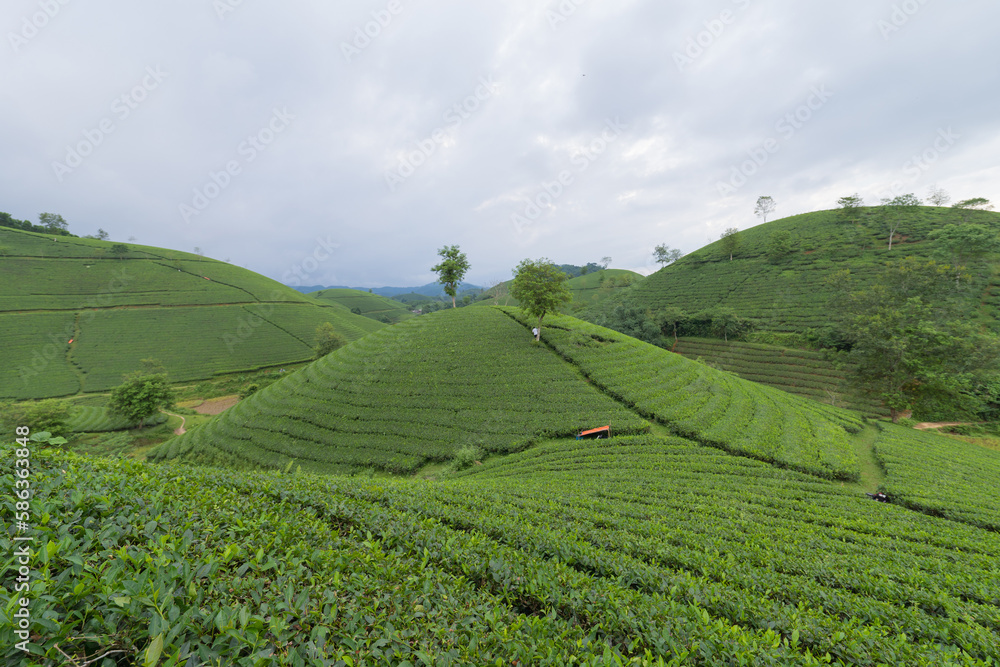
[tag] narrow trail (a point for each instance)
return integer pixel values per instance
(180, 430)
(872, 475)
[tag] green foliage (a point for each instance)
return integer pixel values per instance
(249, 390)
(664, 254)
(95, 419)
(52, 416)
(52, 222)
(568, 553)
(764, 207)
(327, 340)
(711, 406)
(730, 241)
(140, 396)
(540, 287)
(406, 396)
(850, 208)
(780, 246)
(466, 456)
(451, 270)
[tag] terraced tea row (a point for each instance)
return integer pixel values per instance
(940, 475)
(800, 372)
(198, 317)
(628, 551)
(710, 405)
(408, 395)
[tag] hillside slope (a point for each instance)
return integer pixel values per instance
(789, 294)
(371, 305)
(197, 316)
(410, 394)
(631, 551)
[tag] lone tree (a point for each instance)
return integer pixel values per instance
(540, 287)
(850, 207)
(893, 212)
(730, 241)
(765, 206)
(119, 250)
(53, 222)
(140, 396)
(664, 254)
(451, 270)
(937, 196)
(327, 340)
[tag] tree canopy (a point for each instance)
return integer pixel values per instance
(327, 340)
(664, 254)
(451, 270)
(764, 207)
(730, 241)
(140, 396)
(540, 287)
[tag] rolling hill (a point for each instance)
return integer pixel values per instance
(199, 317)
(371, 305)
(789, 294)
(646, 549)
(588, 290)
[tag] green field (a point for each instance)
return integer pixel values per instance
(802, 372)
(406, 396)
(198, 317)
(631, 551)
(371, 305)
(587, 290)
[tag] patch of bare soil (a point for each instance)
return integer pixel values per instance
(923, 426)
(214, 406)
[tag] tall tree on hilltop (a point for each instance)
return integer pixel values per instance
(937, 196)
(664, 254)
(850, 207)
(53, 222)
(730, 241)
(540, 287)
(764, 207)
(893, 213)
(451, 270)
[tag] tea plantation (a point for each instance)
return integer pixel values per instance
(371, 305)
(638, 550)
(409, 395)
(198, 317)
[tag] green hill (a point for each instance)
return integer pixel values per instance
(587, 290)
(789, 294)
(199, 317)
(406, 396)
(377, 307)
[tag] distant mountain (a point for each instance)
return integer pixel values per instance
(431, 290)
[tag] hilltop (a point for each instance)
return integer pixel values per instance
(788, 293)
(370, 305)
(75, 314)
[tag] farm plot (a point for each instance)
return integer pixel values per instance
(801, 372)
(406, 395)
(715, 407)
(631, 551)
(95, 419)
(34, 347)
(940, 475)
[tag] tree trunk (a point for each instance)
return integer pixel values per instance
(539, 336)
(453, 301)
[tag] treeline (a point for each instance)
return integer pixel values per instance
(49, 223)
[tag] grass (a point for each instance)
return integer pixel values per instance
(406, 396)
(374, 306)
(199, 317)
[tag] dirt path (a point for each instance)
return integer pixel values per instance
(180, 430)
(214, 406)
(923, 426)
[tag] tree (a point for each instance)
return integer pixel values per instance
(976, 203)
(119, 250)
(451, 270)
(664, 254)
(540, 287)
(764, 207)
(850, 207)
(909, 347)
(779, 246)
(730, 241)
(671, 318)
(50, 416)
(500, 289)
(605, 261)
(102, 235)
(937, 196)
(52, 222)
(894, 211)
(327, 340)
(140, 396)
(961, 244)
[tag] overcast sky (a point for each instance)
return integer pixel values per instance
(366, 135)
